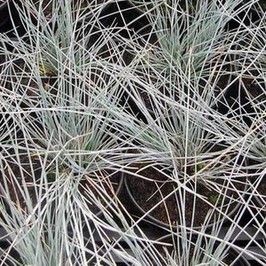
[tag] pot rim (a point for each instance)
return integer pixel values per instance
(151, 219)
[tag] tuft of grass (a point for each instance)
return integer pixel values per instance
(66, 94)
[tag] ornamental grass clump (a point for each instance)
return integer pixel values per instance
(70, 132)
(191, 137)
(63, 96)
(195, 159)
(190, 37)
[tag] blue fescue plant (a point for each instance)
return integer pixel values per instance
(69, 133)
(65, 121)
(179, 74)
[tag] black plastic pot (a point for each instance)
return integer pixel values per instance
(153, 220)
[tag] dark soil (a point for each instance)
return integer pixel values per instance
(148, 193)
